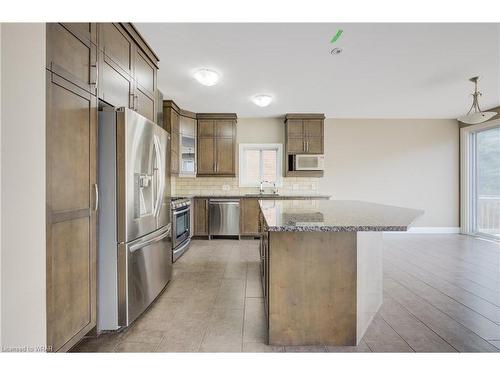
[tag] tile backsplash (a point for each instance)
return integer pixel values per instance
(182, 186)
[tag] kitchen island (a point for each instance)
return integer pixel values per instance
(321, 267)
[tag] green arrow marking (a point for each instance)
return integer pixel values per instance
(339, 33)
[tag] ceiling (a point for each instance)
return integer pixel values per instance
(385, 70)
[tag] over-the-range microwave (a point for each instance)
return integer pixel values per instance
(307, 162)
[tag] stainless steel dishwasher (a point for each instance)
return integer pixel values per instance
(224, 217)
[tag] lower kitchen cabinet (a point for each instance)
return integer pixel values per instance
(200, 217)
(71, 212)
(249, 216)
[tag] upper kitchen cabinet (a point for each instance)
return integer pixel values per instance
(304, 133)
(187, 144)
(216, 151)
(72, 55)
(171, 123)
(128, 69)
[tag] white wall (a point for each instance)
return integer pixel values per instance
(23, 307)
(0, 186)
(409, 163)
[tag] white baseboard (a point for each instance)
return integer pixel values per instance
(430, 230)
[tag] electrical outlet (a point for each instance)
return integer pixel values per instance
(295, 187)
(226, 187)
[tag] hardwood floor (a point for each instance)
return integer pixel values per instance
(441, 294)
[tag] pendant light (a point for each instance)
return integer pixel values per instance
(475, 115)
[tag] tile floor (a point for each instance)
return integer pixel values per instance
(441, 294)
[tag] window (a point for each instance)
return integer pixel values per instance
(260, 162)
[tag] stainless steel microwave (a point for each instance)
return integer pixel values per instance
(307, 162)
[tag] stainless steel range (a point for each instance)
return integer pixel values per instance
(181, 228)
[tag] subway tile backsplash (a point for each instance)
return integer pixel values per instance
(182, 186)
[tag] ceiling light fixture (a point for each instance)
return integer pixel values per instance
(262, 100)
(475, 115)
(206, 77)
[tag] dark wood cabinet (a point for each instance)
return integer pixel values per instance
(128, 73)
(249, 217)
(200, 217)
(171, 123)
(77, 55)
(71, 212)
(80, 65)
(116, 87)
(304, 134)
(216, 152)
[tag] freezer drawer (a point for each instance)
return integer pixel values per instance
(144, 269)
(224, 217)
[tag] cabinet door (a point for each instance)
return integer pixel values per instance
(294, 128)
(71, 55)
(314, 145)
(224, 164)
(313, 128)
(250, 217)
(206, 156)
(144, 72)
(224, 128)
(200, 217)
(71, 212)
(116, 45)
(115, 87)
(296, 145)
(145, 104)
(206, 128)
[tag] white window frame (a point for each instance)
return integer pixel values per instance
(468, 177)
(261, 146)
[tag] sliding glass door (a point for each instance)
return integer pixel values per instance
(487, 182)
(480, 179)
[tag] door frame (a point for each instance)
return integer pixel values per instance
(468, 180)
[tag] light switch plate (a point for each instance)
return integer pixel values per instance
(295, 186)
(226, 187)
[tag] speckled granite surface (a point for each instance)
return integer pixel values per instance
(264, 196)
(335, 216)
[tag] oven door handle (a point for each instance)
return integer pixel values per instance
(181, 211)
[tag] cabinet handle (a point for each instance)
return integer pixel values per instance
(132, 101)
(307, 148)
(93, 74)
(136, 102)
(304, 145)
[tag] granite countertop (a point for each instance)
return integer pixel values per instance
(261, 196)
(335, 216)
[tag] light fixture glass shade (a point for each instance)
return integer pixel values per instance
(206, 77)
(262, 100)
(476, 117)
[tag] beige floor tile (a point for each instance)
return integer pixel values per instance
(231, 294)
(224, 332)
(254, 324)
(135, 347)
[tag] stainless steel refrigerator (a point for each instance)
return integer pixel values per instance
(135, 244)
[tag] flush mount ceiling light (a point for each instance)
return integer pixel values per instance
(475, 115)
(206, 77)
(262, 100)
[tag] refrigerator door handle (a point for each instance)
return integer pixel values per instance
(160, 237)
(160, 176)
(96, 190)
